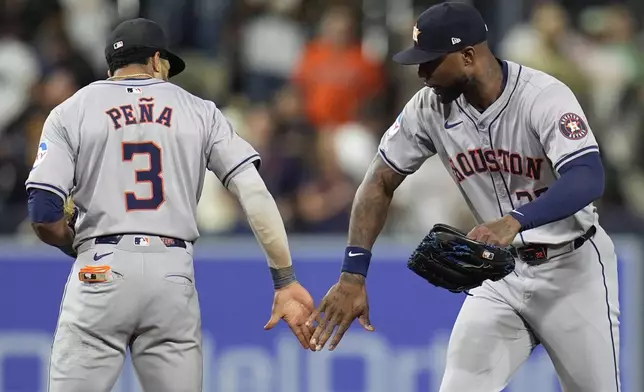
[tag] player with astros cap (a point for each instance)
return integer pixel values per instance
(520, 148)
(130, 154)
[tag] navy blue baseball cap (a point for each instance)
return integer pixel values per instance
(141, 33)
(442, 29)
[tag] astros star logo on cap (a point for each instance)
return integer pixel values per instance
(458, 21)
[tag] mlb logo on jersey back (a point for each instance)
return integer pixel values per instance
(142, 241)
(42, 152)
(572, 126)
(134, 90)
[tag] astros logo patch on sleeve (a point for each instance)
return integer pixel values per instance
(395, 127)
(42, 152)
(572, 126)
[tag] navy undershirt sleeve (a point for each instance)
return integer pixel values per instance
(581, 182)
(44, 206)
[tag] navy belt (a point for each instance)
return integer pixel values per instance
(115, 239)
(541, 253)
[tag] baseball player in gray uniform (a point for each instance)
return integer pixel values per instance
(519, 147)
(133, 150)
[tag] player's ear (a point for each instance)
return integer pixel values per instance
(109, 73)
(468, 55)
(156, 62)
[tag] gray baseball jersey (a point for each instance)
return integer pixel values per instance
(499, 165)
(134, 154)
(501, 159)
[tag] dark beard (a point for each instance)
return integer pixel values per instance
(450, 94)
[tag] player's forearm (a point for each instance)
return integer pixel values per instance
(266, 222)
(369, 213)
(56, 234)
(581, 183)
(368, 217)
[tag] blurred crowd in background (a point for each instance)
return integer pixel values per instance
(301, 81)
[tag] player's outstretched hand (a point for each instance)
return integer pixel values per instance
(343, 303)
(294, 304)
(500, 232)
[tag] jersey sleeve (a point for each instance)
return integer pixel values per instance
(227, 153)
(54, 166)
(562, 126)
(406, 145)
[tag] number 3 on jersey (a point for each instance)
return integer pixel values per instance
(152, 175)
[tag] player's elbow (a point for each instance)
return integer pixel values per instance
(55, 234)
(381, 178)
(597, 191)
(43, 230)
(595, 183)
(586, 176)
(256, 199)
(249, 188)
(47, 217)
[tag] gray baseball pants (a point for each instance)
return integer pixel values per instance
(150, 306)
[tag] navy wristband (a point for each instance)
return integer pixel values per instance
(356, 260)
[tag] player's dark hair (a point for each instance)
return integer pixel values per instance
(139, 56)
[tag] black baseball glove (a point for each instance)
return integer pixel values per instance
(447, 258)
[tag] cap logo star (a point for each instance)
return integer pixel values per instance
(415, 34)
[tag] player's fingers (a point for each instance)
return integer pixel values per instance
(365, 322)
(312, 319)
(344, 326)
(272, 322)
(482, 236)
(328, 331)
(299, 329)
(307, 333)
(474, 233)
(493, 241)
(322, 322)
(299, 334)
(315, 316)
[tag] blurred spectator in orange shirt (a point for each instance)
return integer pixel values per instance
(334, 75)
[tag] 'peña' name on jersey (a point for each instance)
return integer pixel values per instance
(126, 114)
